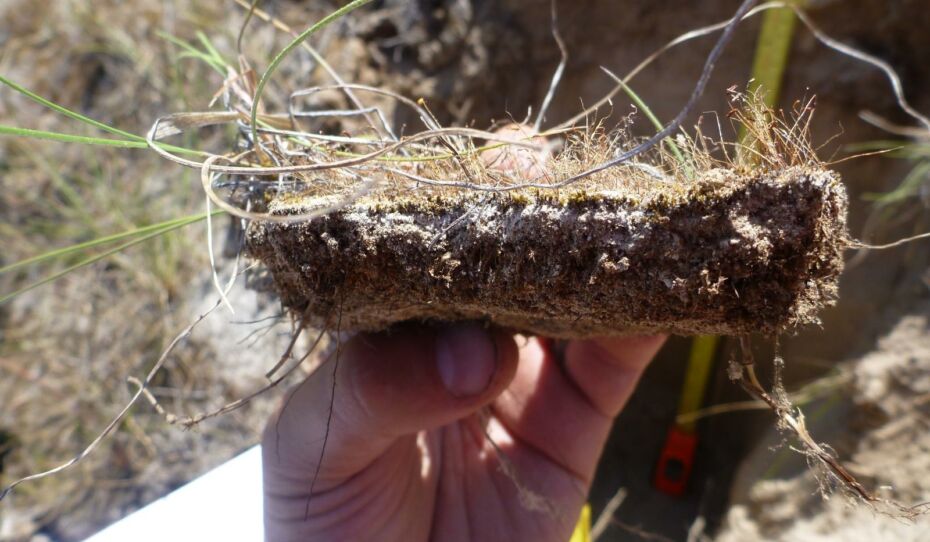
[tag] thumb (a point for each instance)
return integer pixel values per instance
(383, 387)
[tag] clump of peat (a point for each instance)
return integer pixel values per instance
(702, 246)
(727, 254)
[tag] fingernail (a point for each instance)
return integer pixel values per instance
(466, 359)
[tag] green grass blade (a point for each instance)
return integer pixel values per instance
(67, 112)
(652, 118)
(655, 122)
(135, 141)
(208, 46)
(322, 23)
(192, 52)
(771, 58)
(75, 205)
(66, 251)
(909, 187)
(70, 138)
(90, 140)
(96, 258)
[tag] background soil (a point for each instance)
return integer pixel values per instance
(66, 349)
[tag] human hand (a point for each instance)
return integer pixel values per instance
(408, 456)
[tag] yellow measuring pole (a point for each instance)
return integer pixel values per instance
(583, 527)
(771, 57)
(703, 349)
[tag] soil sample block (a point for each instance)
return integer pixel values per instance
(722, 254)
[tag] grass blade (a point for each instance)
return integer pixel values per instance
(67, 112)
(89, 140)
(322, 23)
(210, 49)
(71, 138)
(192, 52)
(771, 59)
(65, 251)
(133, 142)
(909, 187)
(651, 116)
(771, 56)
(179, 223)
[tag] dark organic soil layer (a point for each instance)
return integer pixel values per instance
(724, 255)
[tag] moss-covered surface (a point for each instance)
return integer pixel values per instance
(724, 254)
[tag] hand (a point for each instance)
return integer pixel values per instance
(408, 455)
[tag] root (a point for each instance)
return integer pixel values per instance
(329, 418)
(529, 499)
(115, 422)
(607, 515)
(791, 419)
(190, 421)
(865, 246)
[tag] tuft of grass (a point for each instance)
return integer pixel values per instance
(779, 143)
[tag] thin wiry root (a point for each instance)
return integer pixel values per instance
(559, 71)
(329, 417)
(190, 421)
(607, 515)
(865, 246)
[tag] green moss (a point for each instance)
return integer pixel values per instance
(520, 199)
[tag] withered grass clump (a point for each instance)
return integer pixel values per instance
(744, 245)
